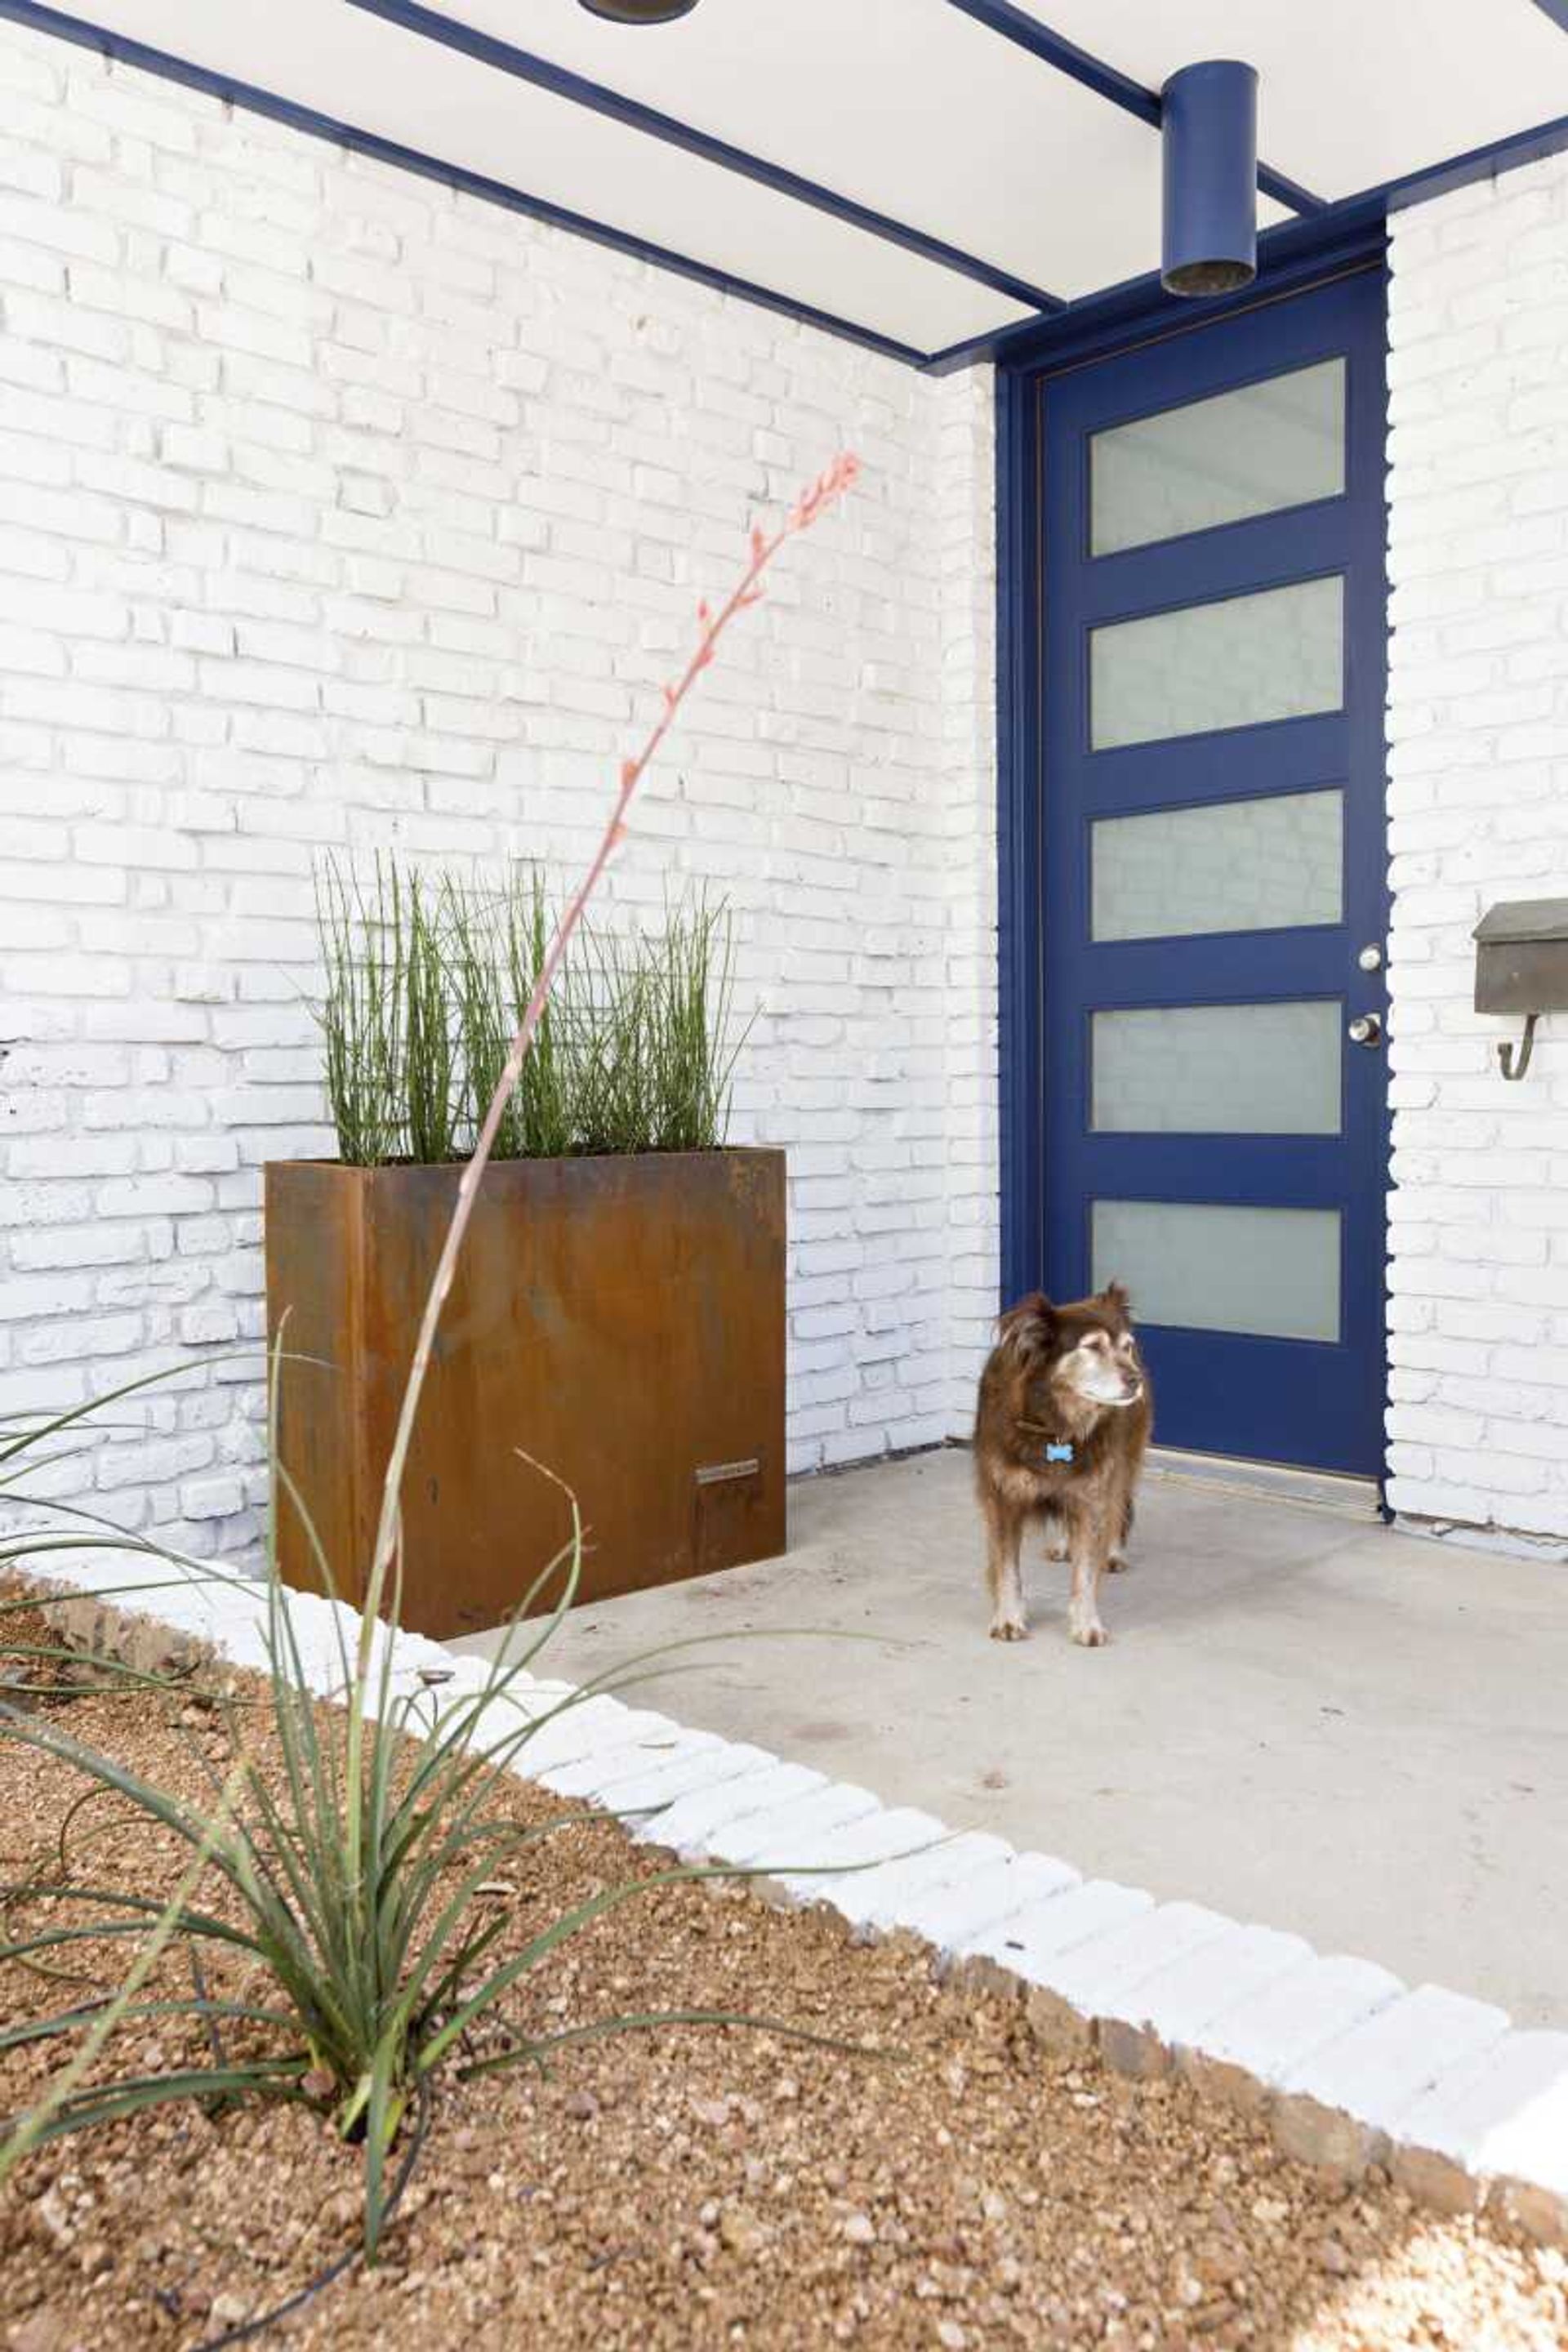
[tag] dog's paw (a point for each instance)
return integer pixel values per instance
(1091, 1634)
(1056, 1547)
(1117, 1564)
(1009, 1629)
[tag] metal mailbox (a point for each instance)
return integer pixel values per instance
(1521, 957)
(1522, 966)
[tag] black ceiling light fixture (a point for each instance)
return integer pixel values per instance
(639, 12)
(1209, 125)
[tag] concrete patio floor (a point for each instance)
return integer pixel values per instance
(1303, 1719)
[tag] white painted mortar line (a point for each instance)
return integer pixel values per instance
(1347, 2066)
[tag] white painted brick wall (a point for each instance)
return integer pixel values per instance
(1477, 810)
(337, 510)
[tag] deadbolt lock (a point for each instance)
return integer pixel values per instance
(1366, 1029)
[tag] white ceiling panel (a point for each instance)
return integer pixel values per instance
(1353, 92)
(906, 105)
(378, 78)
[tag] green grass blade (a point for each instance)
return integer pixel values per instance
(27, 2133)
(88, 2110)
(71, 2021)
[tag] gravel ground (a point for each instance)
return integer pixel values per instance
(710, 2187)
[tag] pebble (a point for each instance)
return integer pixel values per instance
(582, 2106)
(860, 2229)
(51, 2212)
(42, 2331)
(741, 2232)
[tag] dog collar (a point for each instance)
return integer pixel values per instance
(1057, 1449)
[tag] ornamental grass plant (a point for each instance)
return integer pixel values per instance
(428, 977)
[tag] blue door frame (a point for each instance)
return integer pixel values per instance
(1316, 1403)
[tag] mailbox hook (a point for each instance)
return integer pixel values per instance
(1505, 1052)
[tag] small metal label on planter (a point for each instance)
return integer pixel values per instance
(719, 1474)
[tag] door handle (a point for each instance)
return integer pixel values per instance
(1366, 1029)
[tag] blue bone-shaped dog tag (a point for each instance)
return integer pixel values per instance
(1055, 1453)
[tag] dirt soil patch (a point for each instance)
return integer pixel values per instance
(705, 2187)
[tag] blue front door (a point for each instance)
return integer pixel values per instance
(1214, 869)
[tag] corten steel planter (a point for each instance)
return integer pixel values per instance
(619, 1320)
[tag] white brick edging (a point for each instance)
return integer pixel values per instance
(1348, 2066)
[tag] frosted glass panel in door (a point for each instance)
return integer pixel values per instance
(1273, 1272)
(1218, 1069)
(1276, 654)
(1229, 866)
(1252, 451)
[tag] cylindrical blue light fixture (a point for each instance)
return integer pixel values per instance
(1209, 116)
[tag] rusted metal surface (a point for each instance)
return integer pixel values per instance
(620, 1322)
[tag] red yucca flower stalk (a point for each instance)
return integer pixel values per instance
(808, 509)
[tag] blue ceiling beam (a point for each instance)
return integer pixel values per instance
(314, 125)
(1015, 24)
(485, 49)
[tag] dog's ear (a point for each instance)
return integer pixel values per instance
(1118, 1303)
(1030, 1326)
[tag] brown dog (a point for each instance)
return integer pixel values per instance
(1064, 1414)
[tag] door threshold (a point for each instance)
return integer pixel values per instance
(1223, 1473)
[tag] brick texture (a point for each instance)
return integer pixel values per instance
(1477, 812)
(338, 512)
